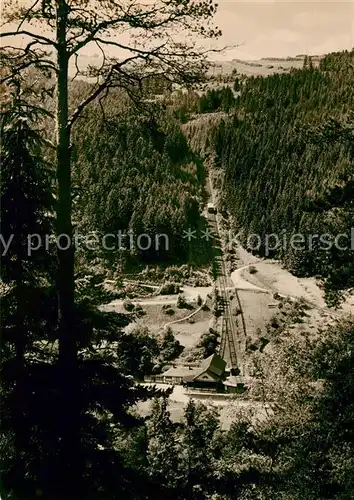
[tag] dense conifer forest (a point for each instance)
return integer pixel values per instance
(70, 372)
(136, 173)
(287, 158)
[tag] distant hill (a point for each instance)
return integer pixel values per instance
(262, 67)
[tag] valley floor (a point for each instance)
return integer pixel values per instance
(254, 295)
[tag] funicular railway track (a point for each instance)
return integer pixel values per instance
(229, 343)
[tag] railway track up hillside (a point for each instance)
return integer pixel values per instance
(230, 330)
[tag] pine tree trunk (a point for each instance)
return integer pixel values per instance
(64, 227)
(21, 431)
(69, 431)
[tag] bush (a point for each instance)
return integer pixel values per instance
(250, 345)
(137, 352)
(181, 302)
(217, 312)
(252, 270)
(209, 342)
(170, 348)
(139, 310)
(264, 342)
(128, 305)
(199, 301)
(170, 288)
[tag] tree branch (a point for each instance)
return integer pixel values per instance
(43, 39)
(91, 36)
(26, 15)
(108, 82)
(95, 93)
(27, 64)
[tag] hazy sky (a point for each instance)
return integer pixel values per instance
(279, 28)
(282, 28)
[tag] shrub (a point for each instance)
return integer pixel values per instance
(128, 305)
(170, 287)
(181, 302)
(167, 309)
(139, 310)
(209, 342)
(170, 347)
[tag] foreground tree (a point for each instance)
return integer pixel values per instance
(68, 27)
(164, 449)
(33, 460)
(304, 449)
(145, 35)
(29, 312)
(200, 428)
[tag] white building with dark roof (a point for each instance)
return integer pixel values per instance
(210, 375)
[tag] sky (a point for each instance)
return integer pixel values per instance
(277, 28)
(285, 28)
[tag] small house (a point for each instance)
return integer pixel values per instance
(209, 376)
(174, 375)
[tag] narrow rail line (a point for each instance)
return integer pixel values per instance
(241, 312)
(222, 349)
(230, 341)
(229, 325)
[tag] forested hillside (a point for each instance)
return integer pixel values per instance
(134, 172)
(287, 155)
(102, 154)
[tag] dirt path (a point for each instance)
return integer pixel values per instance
(186, 317)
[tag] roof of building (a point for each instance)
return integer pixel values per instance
(214, 365)
(178, 371)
